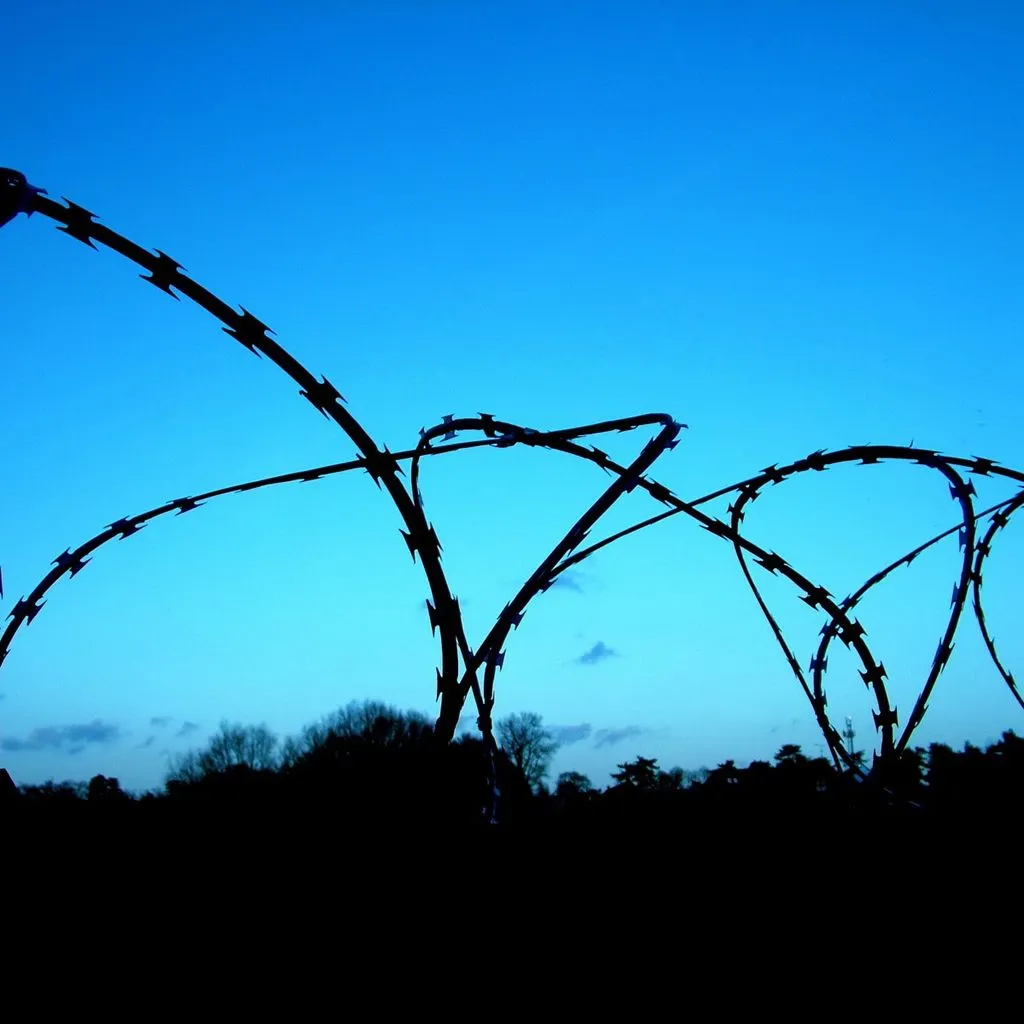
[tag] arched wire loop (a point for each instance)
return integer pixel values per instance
(1000, 519)
(165, 273)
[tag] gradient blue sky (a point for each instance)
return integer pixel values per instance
(792, 225)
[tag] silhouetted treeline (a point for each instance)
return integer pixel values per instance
(370, 768)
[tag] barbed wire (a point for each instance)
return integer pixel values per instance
(458, 675)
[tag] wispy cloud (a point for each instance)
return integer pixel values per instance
(187, 728)
(609, 737)
(160, 721)
(72, 739)
(597, 653)
(569, 580)
(567, 735)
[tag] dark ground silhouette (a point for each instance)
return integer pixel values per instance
(371, 773)
(367, 830)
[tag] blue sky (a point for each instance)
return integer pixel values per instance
(791, 225)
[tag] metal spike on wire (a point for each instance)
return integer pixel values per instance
(461, 664)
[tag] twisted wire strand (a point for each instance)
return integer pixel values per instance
(384, 467)
(984, 548)
(165, 273)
